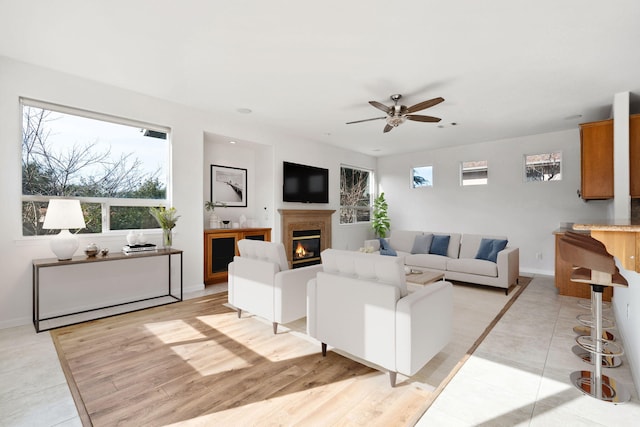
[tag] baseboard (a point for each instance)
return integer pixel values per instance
(12, 323)
(536, 272)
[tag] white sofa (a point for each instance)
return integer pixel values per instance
(359, 304)
(460, 263)
(261, 283)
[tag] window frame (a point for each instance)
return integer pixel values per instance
(542, 153)
(474, 184)
(371, 190)
(105, 202)
(412, 174)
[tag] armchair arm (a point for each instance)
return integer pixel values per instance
(251, 285)
(424, 322)
(290, 293)
(508, 266)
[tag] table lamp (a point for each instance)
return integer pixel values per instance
(64, 214)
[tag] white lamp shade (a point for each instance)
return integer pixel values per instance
(63, 214)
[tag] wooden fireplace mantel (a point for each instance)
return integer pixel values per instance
(305, 219)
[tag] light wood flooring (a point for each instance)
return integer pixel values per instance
(196, 361)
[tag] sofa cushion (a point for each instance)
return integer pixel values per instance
(440, 245)
(489, 249)
(434, 262)
(386, 249)
(473, 266)
(471, 243)
(422, 244)
(402, 240)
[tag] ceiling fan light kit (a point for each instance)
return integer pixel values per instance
(398, 114)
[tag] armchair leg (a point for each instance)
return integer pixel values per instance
(392, 378)
(239, 313)
(324, 350)
(275, 328)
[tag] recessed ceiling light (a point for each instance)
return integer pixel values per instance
(244, 110)
(440, 126)
(232, 142)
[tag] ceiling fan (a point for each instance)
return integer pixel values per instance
(397, 114)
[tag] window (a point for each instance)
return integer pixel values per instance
(355, 195)
(422, 176)
(543, 167)
(117, 168)
(474, 173)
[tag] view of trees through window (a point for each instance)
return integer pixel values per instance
(422, 176)
(543, 167)
(116, 170)
(355, 195)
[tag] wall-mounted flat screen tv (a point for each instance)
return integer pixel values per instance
(305, 184)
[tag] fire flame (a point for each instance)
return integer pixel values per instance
(300, 252)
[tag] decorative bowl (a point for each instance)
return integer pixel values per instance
(91, 250)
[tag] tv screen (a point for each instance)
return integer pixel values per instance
(305, 184)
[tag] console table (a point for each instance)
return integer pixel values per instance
(87, 288)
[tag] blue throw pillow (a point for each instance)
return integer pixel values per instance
(422, 244)
(439, 245)
(489, 249)
(386, 249)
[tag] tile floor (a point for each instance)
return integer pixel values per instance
(518, 375)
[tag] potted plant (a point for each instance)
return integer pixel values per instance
(214, 220)
(380, 223)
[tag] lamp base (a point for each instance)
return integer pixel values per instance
(64, 245)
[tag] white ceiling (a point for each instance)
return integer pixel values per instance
(505, 67)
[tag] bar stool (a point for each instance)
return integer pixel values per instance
(587, 321)
(581, 252)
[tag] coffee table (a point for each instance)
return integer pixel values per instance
(424, 277)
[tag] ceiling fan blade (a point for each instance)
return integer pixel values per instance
(380, 106)
(387, 128)
(424, 104)
(367, 120)
(417, 118)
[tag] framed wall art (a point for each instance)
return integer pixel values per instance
(229, 185)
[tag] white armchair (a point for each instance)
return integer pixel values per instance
(261, 283)
(360, 305)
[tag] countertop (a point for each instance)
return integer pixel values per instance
(609, 225)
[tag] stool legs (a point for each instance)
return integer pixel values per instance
(595, 383)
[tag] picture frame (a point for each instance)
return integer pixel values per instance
(229, 185)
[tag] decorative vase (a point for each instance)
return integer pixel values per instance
(132, 238)
(167, 238)
(214, 221)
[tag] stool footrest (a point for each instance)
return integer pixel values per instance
(609, 348)
(587, 320)
(587, 357)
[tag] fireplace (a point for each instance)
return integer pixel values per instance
(310, 228)
(306, 248)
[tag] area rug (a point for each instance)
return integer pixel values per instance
(196, 363)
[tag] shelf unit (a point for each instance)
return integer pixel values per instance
(221, 245)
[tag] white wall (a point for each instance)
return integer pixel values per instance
(527, 213)
(190, 157)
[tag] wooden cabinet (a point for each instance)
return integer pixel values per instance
(634, 156)
(596, 160)
(563, 277)
(221, 245)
